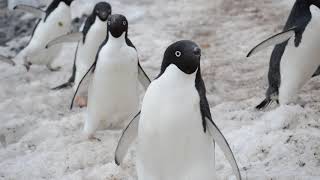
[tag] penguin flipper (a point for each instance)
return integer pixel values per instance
(129, 134)
(30, 9)
(71, 37)
(224, 146)
(84, 81)
(273, 40)
(7, 60)
(143, 78)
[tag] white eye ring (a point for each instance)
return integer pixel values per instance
(124, 23)
(178, 53)
(109, 23)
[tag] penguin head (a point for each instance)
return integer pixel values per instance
(102, 10)
(117, 25)
(184, 54)
(67, 2)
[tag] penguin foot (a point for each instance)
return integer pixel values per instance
(81, 101)
(53, 69)
(92, 138)
(263, 104)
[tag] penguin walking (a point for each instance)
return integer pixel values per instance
(89, 41)
(113, 79)
(54, 22)
(295, 57)
(175, 130)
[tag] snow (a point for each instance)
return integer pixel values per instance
(42, 139)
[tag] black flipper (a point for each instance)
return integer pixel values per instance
(209, 125)
(129, 134)
(71, 80)
(143, 78)
(86, 77)
(317, 73)
(273, 40)
(37, 12)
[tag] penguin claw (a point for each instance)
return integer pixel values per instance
(265, 103)
(93, 138)
(54, 69)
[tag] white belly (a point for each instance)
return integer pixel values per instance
(113, 94)
(57, 24)
(299, 63)
(172, 144)
(86, 54)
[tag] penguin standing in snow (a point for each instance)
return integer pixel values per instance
(295, 57)
(175, 130)
(54, 22)
(113, 79)
(89, 41)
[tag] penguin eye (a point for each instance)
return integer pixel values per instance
(178, 53)
(124, 23)
(97, 11)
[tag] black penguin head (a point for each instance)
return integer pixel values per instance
(67, 2)
(184, 54)
(102, 10)
(117, 25)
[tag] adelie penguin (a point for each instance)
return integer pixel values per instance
(176, 134)
(295, 57)
(113, 79)
(89, 41)
(54, 22)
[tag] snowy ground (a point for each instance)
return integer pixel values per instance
(43, 138)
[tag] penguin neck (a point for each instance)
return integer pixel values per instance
(173, 73)
(116, 42)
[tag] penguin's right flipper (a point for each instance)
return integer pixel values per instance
(30, 9)
(143, 78)
(7, 60)
(274, 40)
(72, 37)
(129, 134)
(84, 81)
(224, 146)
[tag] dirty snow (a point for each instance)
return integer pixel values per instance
(41, 138)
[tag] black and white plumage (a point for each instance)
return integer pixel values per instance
(89, 41)
(175, 130)
(54, 21)
(294, 59)
(112, 80)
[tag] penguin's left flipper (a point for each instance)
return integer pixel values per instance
(72, 37)
(129, 134)
(83, 84)
(39, 13)
(143, 78)
(274, 40)
(223, 144)
(7, 60)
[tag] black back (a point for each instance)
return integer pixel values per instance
(299, 17)
(54, 5)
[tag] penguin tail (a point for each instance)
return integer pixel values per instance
(63, 86)
(265, 103)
